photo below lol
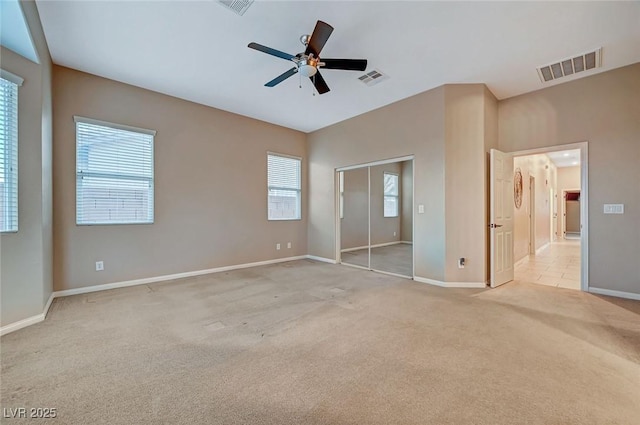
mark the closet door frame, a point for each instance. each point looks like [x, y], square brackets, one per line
[338, 222]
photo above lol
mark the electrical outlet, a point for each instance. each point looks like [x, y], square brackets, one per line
[394, 233]
[99, 266]
[461, 262]
[289, 245]
[277, 246]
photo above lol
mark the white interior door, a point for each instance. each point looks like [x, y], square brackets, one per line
[501, 217]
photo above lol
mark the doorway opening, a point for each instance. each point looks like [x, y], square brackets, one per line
[375, 216]
[549, 251]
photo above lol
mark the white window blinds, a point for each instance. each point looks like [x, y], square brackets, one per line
[391, 195]
[8, 155]
[284, 187]
[114, 173]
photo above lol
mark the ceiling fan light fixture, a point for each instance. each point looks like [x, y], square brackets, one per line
[307, 70]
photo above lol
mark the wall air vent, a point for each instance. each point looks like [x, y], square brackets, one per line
[236, 6]
[373, 77]
[573, 65]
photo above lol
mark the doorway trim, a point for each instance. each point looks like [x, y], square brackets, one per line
[338, 223]
[584, 197]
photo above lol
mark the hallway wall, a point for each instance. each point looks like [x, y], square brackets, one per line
[544, 171]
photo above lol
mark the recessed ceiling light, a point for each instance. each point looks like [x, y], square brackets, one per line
[566, 154]
[574, 163]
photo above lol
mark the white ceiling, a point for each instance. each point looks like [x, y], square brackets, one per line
[14, 33]
[570, 158]
[198, 50]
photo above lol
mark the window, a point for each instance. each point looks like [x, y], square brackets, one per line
[9, 151]
[390, 195]
[283, 182]
[114, 173]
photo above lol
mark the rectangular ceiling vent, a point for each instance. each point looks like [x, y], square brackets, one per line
[236, 6]
[373, 77]
[571, 65]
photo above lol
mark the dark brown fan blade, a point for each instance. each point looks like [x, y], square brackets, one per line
[345, 64]
[270, 51]
[320, 35]
[320, 83]
[280, 78]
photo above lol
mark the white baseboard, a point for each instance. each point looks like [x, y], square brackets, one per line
[322, 259]
[48, 305]
[613, 293]
[407, 242]
[539, 250]
[12, 327]
[135, 282]
[520, 261]
[378, 245]
[357, 248]
[450, 284]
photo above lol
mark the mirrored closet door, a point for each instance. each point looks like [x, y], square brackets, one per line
[376, 217]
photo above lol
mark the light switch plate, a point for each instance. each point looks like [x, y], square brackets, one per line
[614, 208]
[421, 209]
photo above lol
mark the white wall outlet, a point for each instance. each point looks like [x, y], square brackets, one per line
[99, 266]
[421, 209]
[394, 233]
[277, 246]
[461, 262]
[289, 245]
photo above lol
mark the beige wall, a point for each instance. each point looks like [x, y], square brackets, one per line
[568, 179]
[542, 169]
[465, 182]
[414, 126]
[573, 216]
[26, 256]
[210, 187]
[445, 129]
[604, 110]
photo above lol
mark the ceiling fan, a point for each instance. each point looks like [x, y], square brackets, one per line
[309, 62]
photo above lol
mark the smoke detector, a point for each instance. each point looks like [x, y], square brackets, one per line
[572, 65]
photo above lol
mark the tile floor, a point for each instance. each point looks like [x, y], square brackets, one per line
[557, 265]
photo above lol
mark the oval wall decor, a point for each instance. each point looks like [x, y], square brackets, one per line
[517, 188]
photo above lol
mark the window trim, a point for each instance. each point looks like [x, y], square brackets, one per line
[17, 81]
[384, 196]
[91, 121]
[282, 155]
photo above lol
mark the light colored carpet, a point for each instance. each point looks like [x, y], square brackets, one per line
[312, 343]
[396, 258]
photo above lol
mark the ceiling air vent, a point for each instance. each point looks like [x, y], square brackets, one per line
[570, 66]
[373, 77]
[236, 6]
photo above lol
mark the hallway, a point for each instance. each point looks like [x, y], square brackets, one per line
[557, 265]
